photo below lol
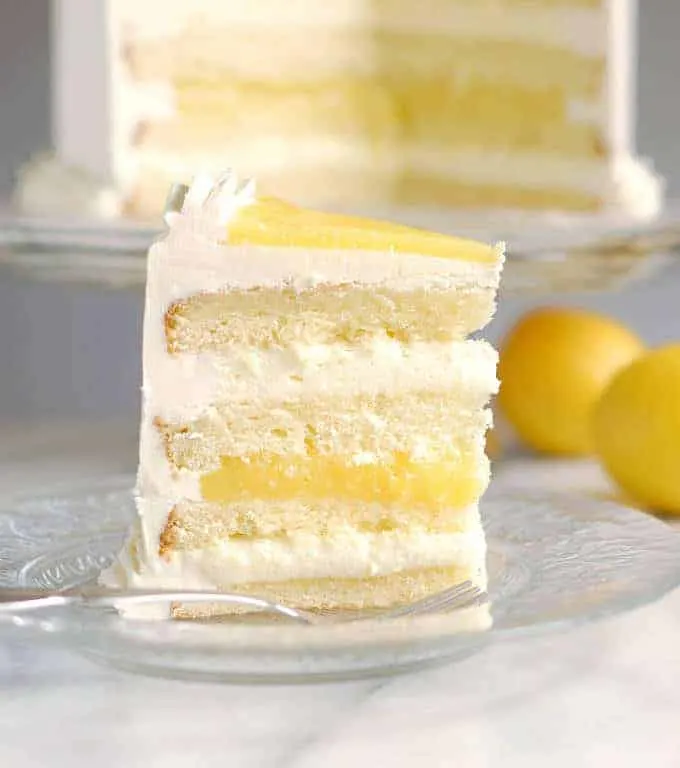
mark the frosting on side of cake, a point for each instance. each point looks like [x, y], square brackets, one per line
[185, 385]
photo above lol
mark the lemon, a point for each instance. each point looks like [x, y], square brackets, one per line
[554, 364]
[636, 429]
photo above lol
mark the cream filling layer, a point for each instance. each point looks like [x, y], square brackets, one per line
[581, 30]
[345, 553]
[624, 183]
[182, 387]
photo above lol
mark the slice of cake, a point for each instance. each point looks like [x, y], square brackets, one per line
[314, 415]
[402, 103]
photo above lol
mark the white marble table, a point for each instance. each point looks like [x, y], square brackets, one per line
[602, 695]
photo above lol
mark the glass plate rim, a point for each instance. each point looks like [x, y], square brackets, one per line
[124, 482]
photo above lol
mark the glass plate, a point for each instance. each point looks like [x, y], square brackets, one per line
[555, 559]
[547, 253]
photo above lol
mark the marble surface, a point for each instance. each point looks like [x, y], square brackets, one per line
[604, 694]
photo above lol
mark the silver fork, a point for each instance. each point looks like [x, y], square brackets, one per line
[14, 602]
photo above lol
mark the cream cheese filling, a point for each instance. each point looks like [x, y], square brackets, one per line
[182, 387]
[345, 553]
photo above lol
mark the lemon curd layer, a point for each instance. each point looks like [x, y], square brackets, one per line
[394, 118]
[273, 222]
[455, 481]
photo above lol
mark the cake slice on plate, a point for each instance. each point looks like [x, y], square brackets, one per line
[314, 414]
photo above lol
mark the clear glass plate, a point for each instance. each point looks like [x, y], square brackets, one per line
[555, 559]
[547, 253]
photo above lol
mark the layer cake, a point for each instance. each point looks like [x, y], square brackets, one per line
[402, 103]
[314, 415]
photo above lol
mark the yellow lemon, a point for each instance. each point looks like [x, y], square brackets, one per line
[553, 367]
[636, 429]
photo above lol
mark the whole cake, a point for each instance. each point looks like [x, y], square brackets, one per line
[493, 103]
[314, 415]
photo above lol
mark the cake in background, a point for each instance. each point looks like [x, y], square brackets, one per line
[357, 104]
[314, 414]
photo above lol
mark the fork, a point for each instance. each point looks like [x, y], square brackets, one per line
[17, 601]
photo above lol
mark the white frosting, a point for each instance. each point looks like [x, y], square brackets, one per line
[209, 205]
[46, 186]
[619, 98]
[180, 267]
[345, 553]
[97, 106]
[636, 187]
[182, 387]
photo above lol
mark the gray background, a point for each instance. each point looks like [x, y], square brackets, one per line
[70, 352]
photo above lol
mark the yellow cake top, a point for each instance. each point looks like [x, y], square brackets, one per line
[232, 213]
[270, 221]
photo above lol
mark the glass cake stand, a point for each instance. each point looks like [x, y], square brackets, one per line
[546, 253]
[555, 559]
